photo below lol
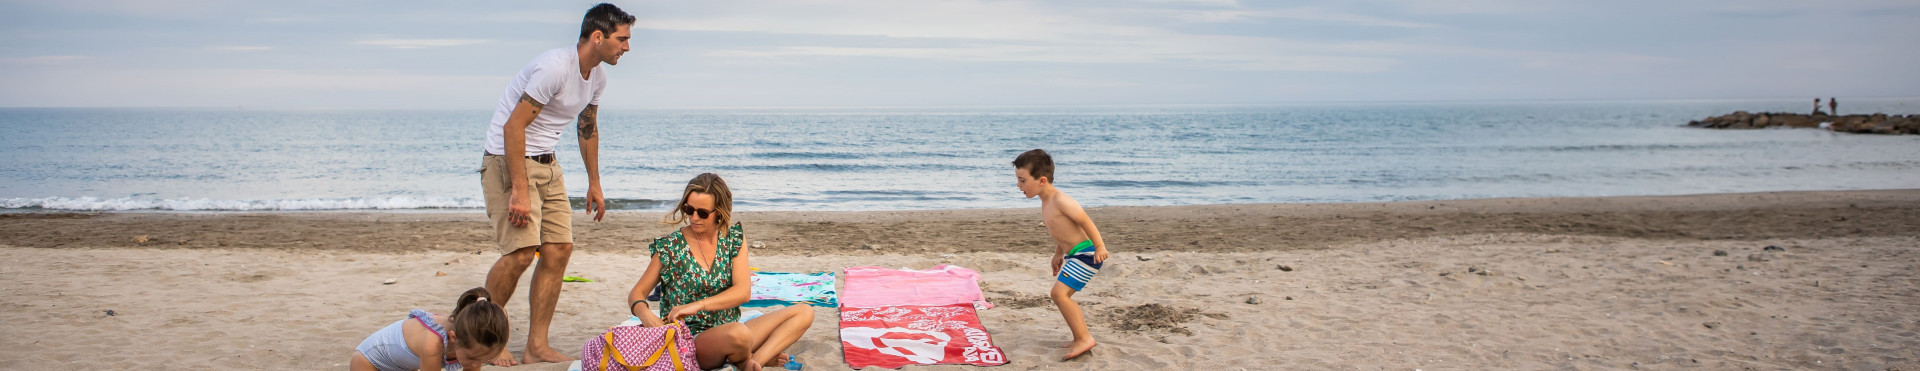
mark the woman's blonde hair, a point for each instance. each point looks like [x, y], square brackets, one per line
[709, 184]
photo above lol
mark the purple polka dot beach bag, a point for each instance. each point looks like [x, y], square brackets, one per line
[634, 348]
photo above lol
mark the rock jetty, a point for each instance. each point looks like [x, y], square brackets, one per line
[1878, 123]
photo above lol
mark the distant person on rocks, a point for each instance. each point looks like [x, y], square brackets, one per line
[1833, 106]
[1816, 106]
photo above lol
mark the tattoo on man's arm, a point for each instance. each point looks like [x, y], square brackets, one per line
[589, 122]
[537, 106]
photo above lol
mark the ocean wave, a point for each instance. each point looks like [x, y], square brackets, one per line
[204, 204]
[352, 203]
[1622, 147]
[1165, 183]
[580, 203]
[851, 168]
[807, 155]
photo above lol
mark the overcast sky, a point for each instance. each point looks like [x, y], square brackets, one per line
[764, 53]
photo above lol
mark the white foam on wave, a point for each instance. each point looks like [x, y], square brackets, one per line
[203, 204]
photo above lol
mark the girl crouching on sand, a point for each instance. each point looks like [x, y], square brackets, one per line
[473, 334]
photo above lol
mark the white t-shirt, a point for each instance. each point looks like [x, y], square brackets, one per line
[553, 79]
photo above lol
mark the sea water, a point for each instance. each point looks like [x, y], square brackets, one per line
[854, 159]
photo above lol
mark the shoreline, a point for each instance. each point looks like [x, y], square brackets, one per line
[1241, 227]
[578, 205]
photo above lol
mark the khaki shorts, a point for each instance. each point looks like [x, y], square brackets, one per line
[552, 214]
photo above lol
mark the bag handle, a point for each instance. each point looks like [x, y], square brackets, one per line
[612, 355]
[671, 350]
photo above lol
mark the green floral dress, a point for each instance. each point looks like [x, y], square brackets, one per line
[683, 281]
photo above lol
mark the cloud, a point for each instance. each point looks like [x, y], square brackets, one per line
[1017, 32]
[421, 43]
[240, 48]
[52, 87]
[922, 51]
[1229, 3]
[172, 9]
[1299, 14]
[1323, 15]
[43, 60]
[282, 20]
[1083, 54]
[1456, 7]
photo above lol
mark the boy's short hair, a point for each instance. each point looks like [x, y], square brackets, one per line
[1038, 164]
[605, 18]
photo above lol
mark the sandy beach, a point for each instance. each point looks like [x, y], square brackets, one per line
[1781, 280]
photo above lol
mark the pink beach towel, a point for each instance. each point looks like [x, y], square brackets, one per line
[869, 287]
[897, 336]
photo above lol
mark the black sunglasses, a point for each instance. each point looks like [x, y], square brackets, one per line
[690, 210]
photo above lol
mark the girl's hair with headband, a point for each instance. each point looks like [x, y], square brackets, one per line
[478, 321]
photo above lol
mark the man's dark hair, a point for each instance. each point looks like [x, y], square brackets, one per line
[605, 18]
[1038, 164]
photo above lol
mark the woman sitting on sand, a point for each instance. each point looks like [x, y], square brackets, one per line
[704, 277]
[469, 337]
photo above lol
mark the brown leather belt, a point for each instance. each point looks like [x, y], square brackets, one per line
[546, 159]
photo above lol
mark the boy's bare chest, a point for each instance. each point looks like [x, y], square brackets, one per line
[1060, 227]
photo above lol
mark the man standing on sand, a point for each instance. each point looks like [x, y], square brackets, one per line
[526, 198]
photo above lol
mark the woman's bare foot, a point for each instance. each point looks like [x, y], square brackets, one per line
[505, 359]
[545, 355]
[779, 360]
[1078, 347]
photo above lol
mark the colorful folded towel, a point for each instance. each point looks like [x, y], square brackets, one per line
[778, 288]
[897, 336]
[942, 285]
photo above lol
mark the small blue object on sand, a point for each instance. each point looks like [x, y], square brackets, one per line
[793, 363]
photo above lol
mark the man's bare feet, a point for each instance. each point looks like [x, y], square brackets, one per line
[505, 359]
[1078, 347]
[544, 355]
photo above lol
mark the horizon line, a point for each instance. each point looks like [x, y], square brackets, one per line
[1238, 104]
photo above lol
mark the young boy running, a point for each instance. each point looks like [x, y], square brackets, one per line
[1079, 250]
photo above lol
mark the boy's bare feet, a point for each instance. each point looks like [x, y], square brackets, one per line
[505, 359]
[545, 355]
[1078, 348]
